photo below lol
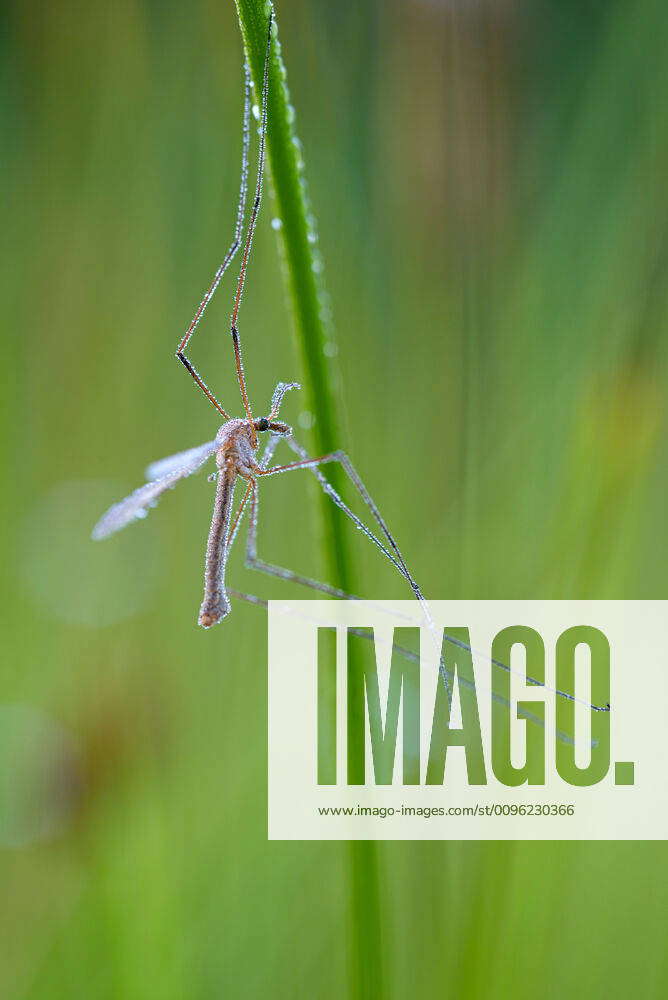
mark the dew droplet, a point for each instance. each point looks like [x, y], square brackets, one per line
[306, 420]
[256, 112]
[276, 223]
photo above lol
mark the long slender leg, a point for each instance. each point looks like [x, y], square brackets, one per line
[236, 243]
[340, 456]
[237, 517]
[306, 462]
[408, 654]
[250, 233]
[253, 562]
[394, 557]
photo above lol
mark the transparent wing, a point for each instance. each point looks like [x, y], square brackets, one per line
[189, 461]
[138, 504]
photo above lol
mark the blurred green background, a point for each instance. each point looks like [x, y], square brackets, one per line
[489, 181]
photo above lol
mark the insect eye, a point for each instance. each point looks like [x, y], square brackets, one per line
[263, 424]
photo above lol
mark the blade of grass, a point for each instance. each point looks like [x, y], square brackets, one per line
[313, 333]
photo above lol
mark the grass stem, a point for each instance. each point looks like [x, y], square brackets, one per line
[314, 339]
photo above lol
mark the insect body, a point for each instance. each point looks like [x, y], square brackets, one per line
[234, 448]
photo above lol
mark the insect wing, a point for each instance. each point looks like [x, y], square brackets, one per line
[189, 461]
[135, 506]
[138, 504]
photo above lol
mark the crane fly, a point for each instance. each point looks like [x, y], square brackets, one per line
[236, 444]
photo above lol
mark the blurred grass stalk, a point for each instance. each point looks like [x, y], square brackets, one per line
[303, 270]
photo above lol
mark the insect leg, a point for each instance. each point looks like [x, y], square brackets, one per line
[314, 464]
[254, 562]
[390, 549]
[286, 574]
[232, 534]
[236, 243]
[241, 379]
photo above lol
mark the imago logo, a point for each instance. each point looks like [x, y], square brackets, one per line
[479, 719]
[456, 687]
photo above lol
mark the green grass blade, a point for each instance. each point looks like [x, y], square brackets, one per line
[307, 293]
